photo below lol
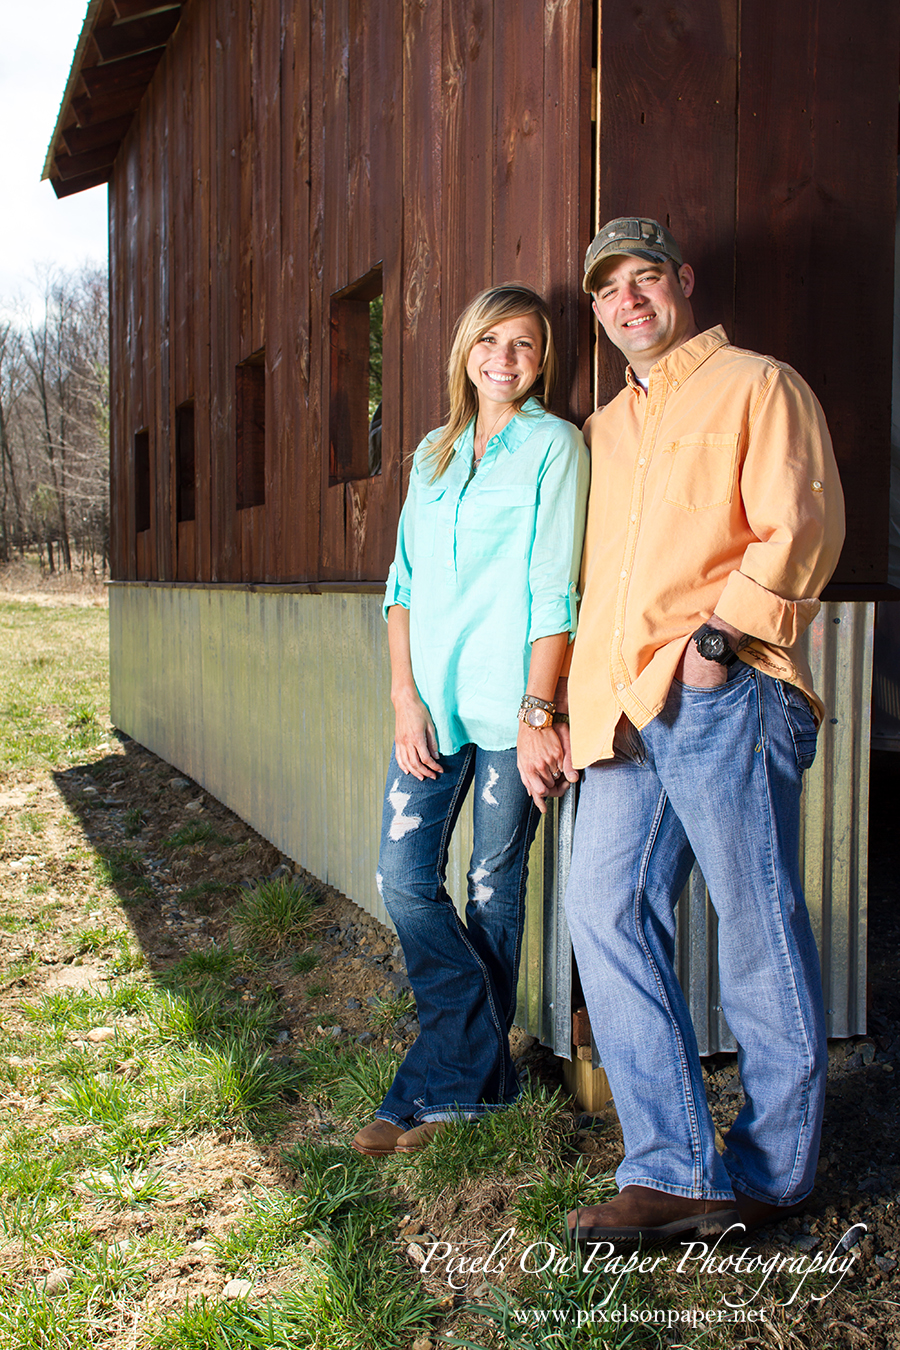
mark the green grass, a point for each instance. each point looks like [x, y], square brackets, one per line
[197, 832]
[388, 1011]
[517, 1141]
[32, 821]
[128, 1135]
[202, 890]
[127, 1187]
[332, 1184]
[53, 683]
[135, 819]
[120, 867]
[275, 916]
[83, 1009]
[208, 1013]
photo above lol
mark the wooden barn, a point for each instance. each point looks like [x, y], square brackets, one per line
[302, 196]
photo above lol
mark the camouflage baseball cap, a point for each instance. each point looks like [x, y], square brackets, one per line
[630, 234]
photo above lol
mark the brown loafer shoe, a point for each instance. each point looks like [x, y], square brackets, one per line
[641, 1214]
[414, 1140]
[759, 1213]
[378, 1139]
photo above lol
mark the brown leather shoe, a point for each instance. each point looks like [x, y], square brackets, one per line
[414, 1140]
[641, 1214]
[760, 1213]
[378, 1139]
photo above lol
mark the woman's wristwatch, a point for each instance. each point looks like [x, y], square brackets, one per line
[536, 713]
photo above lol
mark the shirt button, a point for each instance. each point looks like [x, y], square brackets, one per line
[621, 685]
[674, 384]
[616, 633]
[817, 486]
[642, 460]
[633, 519]
[623, 575]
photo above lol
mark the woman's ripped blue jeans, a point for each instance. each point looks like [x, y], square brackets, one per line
[464, 976]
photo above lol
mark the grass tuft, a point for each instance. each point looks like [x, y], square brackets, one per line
[352, 1079]
[125, 1186]
[197, 832]
[500, 1144]
[387, 1012]
[275, 916]
[241, 1085]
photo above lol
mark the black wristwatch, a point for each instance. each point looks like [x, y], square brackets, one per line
[713, 645]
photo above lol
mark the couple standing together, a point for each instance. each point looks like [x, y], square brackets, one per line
[713, 521]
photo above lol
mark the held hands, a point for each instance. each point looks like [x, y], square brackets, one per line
[545, 765]
[415, 740]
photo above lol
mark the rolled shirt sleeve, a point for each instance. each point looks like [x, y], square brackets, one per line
[558, 535]
[794, 505]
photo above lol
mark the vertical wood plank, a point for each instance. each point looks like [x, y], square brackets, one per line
[150, 326]
[565, 225]
[317, 429]
[204, 233]
[267, 268]
[468, 200]
[668, 98]
[423, 210]
[336, 261]
[182, 89]
[298, 454]
[519, 146]
[164, 525]
[817, 183]
[118, 377]
[385, 114]
[132, 336]
[228, 44]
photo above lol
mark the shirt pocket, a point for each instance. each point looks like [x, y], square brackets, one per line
[428, 514]
[498, 521]
[702, 471]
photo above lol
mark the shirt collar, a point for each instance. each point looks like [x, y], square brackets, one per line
[679, 365]
[514, 434]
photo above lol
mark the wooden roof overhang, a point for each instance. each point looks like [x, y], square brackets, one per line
[121, 44]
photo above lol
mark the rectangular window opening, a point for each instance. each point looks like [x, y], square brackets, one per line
[250, 424]
[356, 357]
[142, 480]
[185, 489]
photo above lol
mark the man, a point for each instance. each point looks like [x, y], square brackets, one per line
[715, 519]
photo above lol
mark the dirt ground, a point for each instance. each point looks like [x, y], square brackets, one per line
[360, 963]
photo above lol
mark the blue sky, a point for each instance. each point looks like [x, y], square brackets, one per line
[36, 228]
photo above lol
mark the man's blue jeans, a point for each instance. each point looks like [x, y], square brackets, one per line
[463, 976]
[720, 781]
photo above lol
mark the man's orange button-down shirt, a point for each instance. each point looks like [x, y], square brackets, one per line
[716, 491]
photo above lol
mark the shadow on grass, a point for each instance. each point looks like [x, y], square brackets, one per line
[217, 997]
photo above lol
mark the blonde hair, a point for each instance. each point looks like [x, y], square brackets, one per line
[509, 301]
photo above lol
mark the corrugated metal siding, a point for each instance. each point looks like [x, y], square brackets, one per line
[277, 702]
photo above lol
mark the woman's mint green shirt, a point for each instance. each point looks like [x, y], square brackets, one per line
[485, 564]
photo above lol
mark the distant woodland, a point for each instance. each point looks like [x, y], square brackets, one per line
[54, 423]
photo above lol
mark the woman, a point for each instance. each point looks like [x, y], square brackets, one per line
[480, 607]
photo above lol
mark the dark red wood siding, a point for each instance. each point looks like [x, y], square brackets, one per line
[764, 134]
[285, 149]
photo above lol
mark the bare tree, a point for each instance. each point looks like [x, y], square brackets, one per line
[56, 447]
[12, 516]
